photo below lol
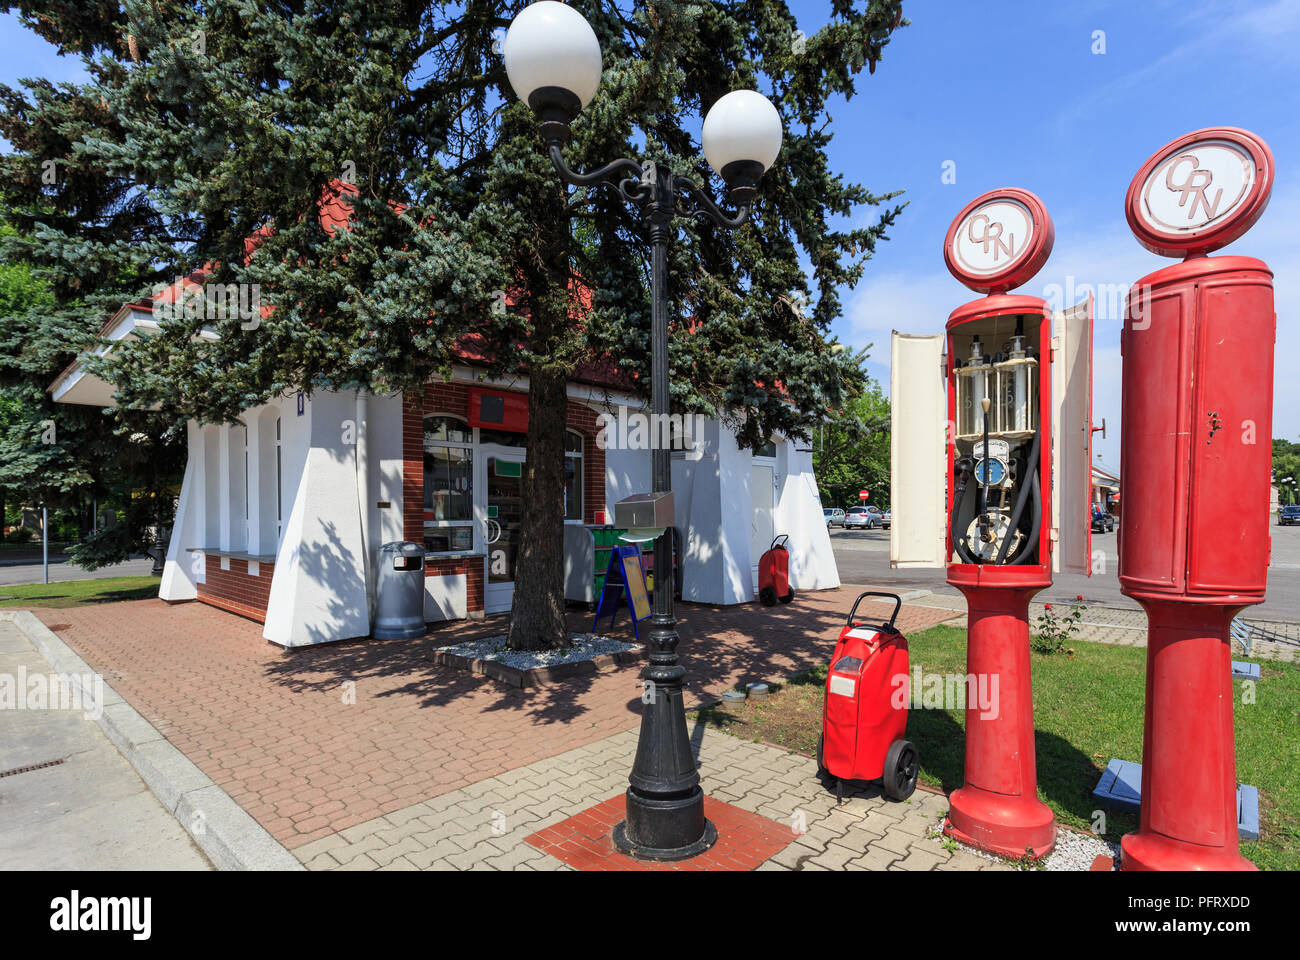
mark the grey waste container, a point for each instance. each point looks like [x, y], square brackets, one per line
[399, 592]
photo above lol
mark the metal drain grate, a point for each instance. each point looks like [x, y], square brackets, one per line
[34, 766]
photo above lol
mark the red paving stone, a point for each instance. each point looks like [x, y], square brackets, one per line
[276, 731]
[585, 841]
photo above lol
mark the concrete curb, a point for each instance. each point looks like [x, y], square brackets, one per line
[223, 830]
[907, 596]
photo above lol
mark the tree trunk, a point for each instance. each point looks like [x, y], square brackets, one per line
[537, 612]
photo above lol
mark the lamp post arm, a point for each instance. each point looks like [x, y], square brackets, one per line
[623, 173]
[707, 209]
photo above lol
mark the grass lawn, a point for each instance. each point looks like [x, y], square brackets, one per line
[1086, 711]
[78, 593]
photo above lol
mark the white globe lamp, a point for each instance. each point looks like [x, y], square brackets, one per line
[741, 138]
[553, 60]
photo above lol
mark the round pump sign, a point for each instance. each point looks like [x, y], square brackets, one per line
[999, 240]
[1200, 192]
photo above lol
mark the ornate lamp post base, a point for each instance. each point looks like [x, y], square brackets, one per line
[665, 827]
[665, 805]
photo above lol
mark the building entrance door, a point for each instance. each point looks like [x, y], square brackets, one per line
[501, 479]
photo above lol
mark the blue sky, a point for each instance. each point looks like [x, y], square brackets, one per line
[1012, 93]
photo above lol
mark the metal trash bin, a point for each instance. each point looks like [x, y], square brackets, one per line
[399, 592]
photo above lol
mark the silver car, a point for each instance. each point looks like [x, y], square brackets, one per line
[861, 518]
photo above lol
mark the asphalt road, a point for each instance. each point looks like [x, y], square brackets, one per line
[863, 558]
[15, 574]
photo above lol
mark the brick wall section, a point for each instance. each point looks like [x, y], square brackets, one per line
[236, 590]
[412, 468]
[453, 398]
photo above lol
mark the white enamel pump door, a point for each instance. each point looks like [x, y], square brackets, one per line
[1072, 438]
[918, 451]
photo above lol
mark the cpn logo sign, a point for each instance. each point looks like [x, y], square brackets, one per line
[1191, 189]
[1200, 192]
[993, 237]
[999, 240]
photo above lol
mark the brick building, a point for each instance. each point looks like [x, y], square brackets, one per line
[282, 514]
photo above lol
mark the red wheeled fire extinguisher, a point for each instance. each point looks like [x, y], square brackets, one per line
[774, 574]
[865, 713]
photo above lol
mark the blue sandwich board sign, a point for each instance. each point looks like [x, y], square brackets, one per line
[625, 579]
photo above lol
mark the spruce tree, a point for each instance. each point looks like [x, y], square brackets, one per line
[235, 118]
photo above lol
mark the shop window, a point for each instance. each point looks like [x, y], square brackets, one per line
[448, 485]
[572, 476]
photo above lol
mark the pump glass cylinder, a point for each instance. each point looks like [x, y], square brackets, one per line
[972, 387]
[1016, 393]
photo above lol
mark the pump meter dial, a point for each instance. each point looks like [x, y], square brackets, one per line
[991, 472]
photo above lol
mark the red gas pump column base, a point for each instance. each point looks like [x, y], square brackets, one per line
[998, 808]
[1189, 761]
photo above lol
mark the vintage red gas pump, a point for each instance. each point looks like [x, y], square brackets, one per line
[1196, 443]
[1012, 479]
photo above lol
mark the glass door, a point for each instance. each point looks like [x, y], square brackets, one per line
[502, 481]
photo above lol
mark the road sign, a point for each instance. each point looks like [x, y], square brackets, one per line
[863, 494]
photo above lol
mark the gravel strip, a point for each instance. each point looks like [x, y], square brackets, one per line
[582, 646]
[1073, 851]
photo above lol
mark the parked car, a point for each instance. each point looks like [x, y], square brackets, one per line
[884, 518]
[862, 518]
[833, 515]
[1288, 515]
[1102, 522]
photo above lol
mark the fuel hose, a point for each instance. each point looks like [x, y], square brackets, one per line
[1021, 499]
[959, 496]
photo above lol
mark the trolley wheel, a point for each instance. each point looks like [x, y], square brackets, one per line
[901, 766]
[767, 597]
[821, 743]
[788, 597]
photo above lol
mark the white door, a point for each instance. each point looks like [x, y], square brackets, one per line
[1072, 438]
[500, 485]
[763, 491]
[918, 463]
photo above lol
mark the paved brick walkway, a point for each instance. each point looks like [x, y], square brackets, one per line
[486, 826]
[319, 741]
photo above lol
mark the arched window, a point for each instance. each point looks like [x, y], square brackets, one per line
[573, 476]
[448, 484]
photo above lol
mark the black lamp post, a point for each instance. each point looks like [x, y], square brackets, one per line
[553, 61]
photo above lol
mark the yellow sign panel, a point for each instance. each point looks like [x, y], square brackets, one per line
[636, 591]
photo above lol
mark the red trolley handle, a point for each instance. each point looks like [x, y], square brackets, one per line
[898, 605]
[784, 536]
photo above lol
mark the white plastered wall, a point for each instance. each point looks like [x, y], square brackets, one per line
[318, 593]
[799, 514]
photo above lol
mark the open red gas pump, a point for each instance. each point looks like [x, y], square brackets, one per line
[1196, 442]
[991, 472]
